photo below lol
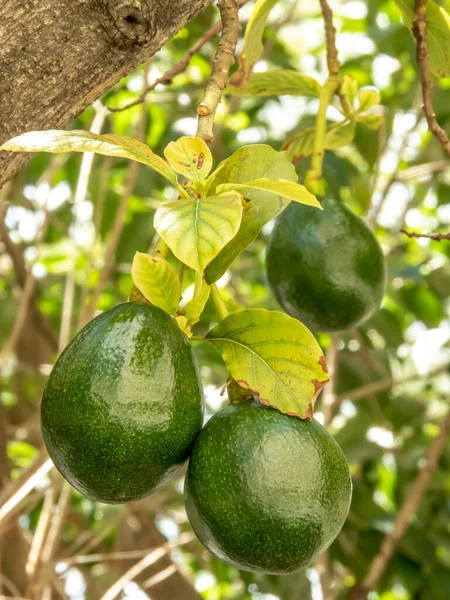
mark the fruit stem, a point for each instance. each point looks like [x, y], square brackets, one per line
[313, 179]
[219, 303]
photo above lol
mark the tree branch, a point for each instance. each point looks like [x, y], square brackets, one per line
[420, 33]
[222, 63]
[117, 226]
[431, 236]
[330, 36]
[57, 57]
[167, 77]
[407, 511]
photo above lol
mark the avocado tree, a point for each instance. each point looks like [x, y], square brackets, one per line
[261, 239]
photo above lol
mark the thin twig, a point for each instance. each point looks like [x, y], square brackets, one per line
[430, 236]
[80, 197]
[20, 271]
[223, 61]
[408, 509]
[420, 33]
[167, 77]
[118, 224]
[329, 398]
[385, 384]
[27, 294]
[39, 538]
[148, 560]
[19, 489]
[330, 36]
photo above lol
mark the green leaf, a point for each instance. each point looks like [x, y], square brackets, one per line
[250, 162]
[301, 144]
[196, 230]
[275, 356]
[278, 83]
[373, 121]
[339, 135]
[438, 34]
[348, 91]
[282, 187]
[253, 47]
[190, 156]
[122, 146]
[368, 98]
[157, 281]
[194, 307]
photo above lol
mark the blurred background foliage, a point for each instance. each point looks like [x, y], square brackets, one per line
[74, 224]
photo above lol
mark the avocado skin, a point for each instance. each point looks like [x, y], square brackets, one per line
[123, 404]
[326, 268]
[266, 492]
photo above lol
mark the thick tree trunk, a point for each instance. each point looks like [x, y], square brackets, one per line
[58, 56]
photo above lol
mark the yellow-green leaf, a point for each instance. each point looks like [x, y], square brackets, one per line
[373, 121]
[250, 162]
[302, 143]
[190, 156]
[290, 190]
[194, 307]
[278, 83]
[157, 281]
[368, 98]
[253, 46]
[348, 91]
[339, 135]
[438, 34]
[273, 355]
[123, 146]
[196, 230]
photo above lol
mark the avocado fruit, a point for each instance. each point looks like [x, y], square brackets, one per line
[123, 404]
[266, 492]
[325, 267]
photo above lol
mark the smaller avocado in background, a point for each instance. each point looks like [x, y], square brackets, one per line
[325, 267]
[123, 404]
[266, 492]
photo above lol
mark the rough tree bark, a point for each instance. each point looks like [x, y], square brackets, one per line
[57, 57]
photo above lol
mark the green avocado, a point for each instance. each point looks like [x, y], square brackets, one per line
[325, 267]
[266, 492]
[123, 404]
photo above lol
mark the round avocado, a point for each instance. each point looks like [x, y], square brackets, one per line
[266, 492]
[325, 267]
[123, 404]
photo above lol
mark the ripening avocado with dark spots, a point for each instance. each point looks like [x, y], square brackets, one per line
[325, 267]
[266, 492]
[123, 404]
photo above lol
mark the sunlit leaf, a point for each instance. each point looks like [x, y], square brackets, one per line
[189, 156]
[349, 90]
[253, 46]
[368, 98]
[290, 190]
[247, 163]
[275, 356]
[123, 146]
[157, 281]
[373, 121]
[438, 34]
[301, 144]
[278, 83]
[196, 230]
[339, 135]
[194, 307]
